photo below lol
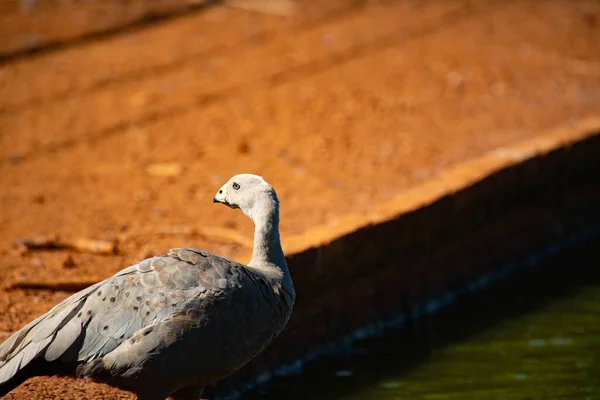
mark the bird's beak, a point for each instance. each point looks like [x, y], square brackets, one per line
[221, 196]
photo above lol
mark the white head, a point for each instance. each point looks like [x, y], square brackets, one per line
[250, 193]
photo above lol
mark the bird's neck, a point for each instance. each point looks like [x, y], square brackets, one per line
[267, 255]
[267, 245]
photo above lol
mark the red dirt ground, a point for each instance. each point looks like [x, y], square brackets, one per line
[340, 106]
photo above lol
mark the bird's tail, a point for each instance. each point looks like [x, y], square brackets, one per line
[33, 342]
[16, 353]
[21, 376]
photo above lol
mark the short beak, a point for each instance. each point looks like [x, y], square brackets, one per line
[221, 196]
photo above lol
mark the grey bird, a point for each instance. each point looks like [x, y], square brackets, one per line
[171, 324]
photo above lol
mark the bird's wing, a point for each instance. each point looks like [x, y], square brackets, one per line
[94, 321]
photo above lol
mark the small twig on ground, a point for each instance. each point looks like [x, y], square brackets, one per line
[273, 7]
[52, 286]
[81, 245]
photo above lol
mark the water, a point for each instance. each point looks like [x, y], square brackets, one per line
[535, 335]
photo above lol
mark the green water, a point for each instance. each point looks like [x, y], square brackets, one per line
[535, 335]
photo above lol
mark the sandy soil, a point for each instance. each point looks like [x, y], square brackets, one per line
[27, 26]
[340, 106]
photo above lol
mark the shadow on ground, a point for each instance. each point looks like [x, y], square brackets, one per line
[397, 353]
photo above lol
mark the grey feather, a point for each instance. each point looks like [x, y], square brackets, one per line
[11, 367]
[32, 350]
[52, 323]
[63, 340]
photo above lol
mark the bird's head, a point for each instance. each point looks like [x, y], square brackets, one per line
[247, 192]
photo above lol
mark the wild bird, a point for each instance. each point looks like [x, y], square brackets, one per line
[170, 324]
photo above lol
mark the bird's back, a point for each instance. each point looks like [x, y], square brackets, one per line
[160, 324]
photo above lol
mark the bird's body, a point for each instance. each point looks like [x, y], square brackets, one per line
[167, 325]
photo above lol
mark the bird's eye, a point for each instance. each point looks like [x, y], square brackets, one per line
[236, 185]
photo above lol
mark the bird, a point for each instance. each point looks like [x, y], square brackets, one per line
[170, 324]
